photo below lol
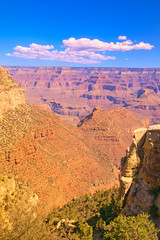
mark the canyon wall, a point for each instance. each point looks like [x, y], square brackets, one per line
[73, 92]
[50, 156]
[109, 132]
[59, 161]
[141, 174]
[54, 160]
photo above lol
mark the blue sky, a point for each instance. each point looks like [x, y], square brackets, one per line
[80, 33]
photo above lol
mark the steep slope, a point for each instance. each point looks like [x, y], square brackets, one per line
[108, 133]
[18, 206]
[54, 160]
[45, 162]
[141, 174]
[10, 93]
[49, 155]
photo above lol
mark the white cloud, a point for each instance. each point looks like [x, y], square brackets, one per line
[69, 55]
[97, 45]
[122, 37]
[83, 50]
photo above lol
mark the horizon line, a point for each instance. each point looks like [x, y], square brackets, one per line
[79, 67]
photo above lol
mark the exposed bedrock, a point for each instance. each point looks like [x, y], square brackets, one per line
[83, 88]
[141, 173]
[11, 95]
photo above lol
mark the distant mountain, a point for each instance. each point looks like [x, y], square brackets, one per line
[73, 92]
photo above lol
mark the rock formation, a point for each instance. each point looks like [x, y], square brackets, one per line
[57, 161]
[141, 173]
[109, 132]
[51, 156]
[73, 92]
[11, 95]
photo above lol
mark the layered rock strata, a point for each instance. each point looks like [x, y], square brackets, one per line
[73, 92]
[52, 157]
[11, 95]
[109, 132]
[141, 174]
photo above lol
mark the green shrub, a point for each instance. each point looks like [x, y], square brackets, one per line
[131, 228]
[84, 231]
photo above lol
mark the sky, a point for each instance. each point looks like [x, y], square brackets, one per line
[76, 33]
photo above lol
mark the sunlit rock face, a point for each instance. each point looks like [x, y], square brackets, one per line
[49, 155]
[143, 183]
[11, 95]
[152, 156]
[130, 164]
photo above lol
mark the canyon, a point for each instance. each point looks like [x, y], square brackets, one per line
[74, 92]
[59, 161]
[46, 162]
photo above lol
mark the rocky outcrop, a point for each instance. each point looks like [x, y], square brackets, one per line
[11, 95]
[141, 173]
[131, 163]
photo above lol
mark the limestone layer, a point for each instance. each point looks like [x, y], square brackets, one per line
[141, 173]
[73, 92]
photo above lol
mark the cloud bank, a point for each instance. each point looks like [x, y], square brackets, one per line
[97, 45]
[83, 50]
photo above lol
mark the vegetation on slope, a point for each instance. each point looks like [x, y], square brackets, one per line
[93, 217]
[131, 227]
[18, 206]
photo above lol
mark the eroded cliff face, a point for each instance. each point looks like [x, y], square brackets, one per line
[50, 156]
[73, 92]
[53, 158]
[18, 203]
[11, 95]
[109, 132]
[141, 174]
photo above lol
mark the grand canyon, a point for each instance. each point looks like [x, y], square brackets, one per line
[74, 92]
[47, 162]
[80, 120]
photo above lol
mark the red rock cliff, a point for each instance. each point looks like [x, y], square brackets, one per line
[11, 95]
